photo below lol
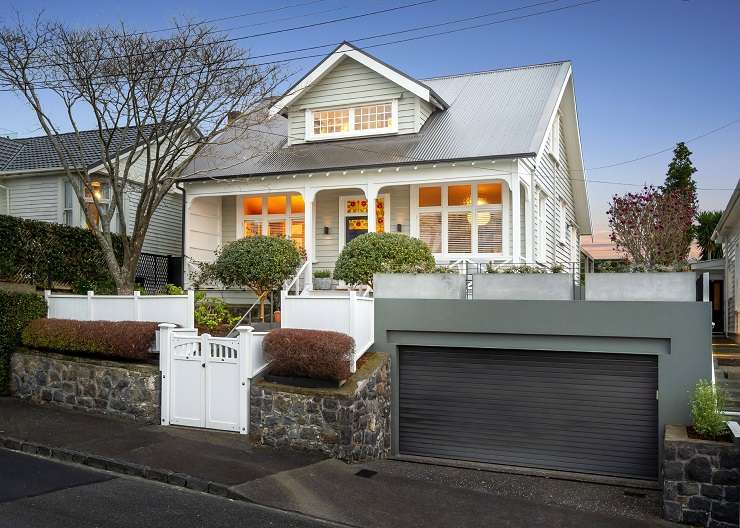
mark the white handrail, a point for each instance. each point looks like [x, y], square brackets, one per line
[295, 280]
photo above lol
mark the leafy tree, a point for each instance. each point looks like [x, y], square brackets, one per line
[680, 171]
[373, 253]
[168, 96]
[651, 226]
[260, 263]
[708, 221]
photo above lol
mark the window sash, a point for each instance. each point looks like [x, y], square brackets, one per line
[273, 224]
[356, 115]
[456, 238]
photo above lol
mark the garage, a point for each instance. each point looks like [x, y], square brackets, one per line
[582, 412]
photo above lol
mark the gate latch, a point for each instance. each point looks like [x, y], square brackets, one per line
[203, 365]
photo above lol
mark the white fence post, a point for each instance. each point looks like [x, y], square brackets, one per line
[137, 306]
[245, 373]
[47, 298]
[352, 321]
[165, 358]
[190, 316]
[705, 286]
[90, 311]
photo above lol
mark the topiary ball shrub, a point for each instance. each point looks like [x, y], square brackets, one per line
[316, 354]
[373, 253]
[128, 340]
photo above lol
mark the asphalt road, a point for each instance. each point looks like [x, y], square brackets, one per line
[36, 493]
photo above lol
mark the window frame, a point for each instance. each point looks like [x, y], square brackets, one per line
[264, 218]
[554, 148]
[562, 222]
[312, 136]
[542, 206]
[444, 208]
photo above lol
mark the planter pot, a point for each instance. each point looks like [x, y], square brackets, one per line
[676, 287]
[322, 283]
[523, 286]
[419, 286]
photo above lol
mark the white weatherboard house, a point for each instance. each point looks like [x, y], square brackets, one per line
[482, 167]
[32, 186]
[727, 233]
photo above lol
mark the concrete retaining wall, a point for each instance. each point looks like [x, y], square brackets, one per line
[419, 286]
[523, 286]
[641, 287]
[127, 390]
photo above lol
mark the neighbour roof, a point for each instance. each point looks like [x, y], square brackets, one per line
[491, 114]
[37, 153]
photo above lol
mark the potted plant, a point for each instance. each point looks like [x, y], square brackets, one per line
[322, 279]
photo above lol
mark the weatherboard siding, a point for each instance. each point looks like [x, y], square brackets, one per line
[35, 197]
[351, 83]
[164, 235]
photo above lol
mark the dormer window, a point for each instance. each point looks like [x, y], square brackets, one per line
[376, 118]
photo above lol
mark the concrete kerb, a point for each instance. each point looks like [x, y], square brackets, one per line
[122, 467]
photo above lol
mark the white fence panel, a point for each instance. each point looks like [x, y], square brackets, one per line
[222, 372]
[186, 380]
[348, 314]
[175, 309]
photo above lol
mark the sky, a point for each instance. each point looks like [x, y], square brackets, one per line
[647, 73]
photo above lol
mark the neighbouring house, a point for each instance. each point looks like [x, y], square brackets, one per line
[483, 167]
[33, 186]
[727, 233]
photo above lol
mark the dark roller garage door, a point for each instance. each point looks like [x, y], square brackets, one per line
[581, 412]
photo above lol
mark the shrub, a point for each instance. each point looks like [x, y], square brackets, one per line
[261, 263]
[317, 354]
[212, 313]
[42, 252]
[129, 340]
[517, 269]
[322, 274]
[706, 405]
[173, 289]
[373, 253]
[16, 310]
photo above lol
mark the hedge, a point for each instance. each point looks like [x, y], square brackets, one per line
[317, 354]
[129, 340]
[43, 252]
[16, 310]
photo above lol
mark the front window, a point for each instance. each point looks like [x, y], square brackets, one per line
[95, 191]
[277, 215]
[380, 118]
[69, 204]
[461, 218]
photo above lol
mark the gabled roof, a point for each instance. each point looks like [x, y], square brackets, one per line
[38, 153]
[730, 217]
[342, 52]
[492, 114]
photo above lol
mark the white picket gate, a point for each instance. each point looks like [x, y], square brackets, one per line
[205, 379]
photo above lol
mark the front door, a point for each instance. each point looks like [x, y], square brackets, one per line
[355, 226]
[716, 299]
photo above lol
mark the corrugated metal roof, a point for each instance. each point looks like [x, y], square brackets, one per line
[27, 154]
[497, 113]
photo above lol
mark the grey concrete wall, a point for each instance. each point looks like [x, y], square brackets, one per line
[678, 333]
[419, 286]
[523, 286]
[641, 287]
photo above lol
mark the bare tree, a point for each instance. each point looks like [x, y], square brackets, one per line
[156, 103]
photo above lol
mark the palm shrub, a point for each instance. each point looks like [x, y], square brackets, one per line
[260, 263]
[706, 405]
[708, 221]
[373, 253]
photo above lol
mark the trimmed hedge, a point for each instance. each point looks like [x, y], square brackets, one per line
[317, 354]
[373, 253]
[130, 340]
[42, 252]
[16, 310]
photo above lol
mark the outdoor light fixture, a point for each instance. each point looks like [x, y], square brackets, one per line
[326, 230]
[398, 228]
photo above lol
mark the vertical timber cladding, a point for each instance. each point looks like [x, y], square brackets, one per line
[568, 411]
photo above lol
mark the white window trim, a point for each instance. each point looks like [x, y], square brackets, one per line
[562, 222]
[265, 218]
[554, 149]
[542, 205]
[445, 209]
[574, 249]
[343, 214]
[311, 136]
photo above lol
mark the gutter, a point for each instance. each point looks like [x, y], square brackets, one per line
[366, 167]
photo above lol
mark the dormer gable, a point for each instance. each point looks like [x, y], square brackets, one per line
[351, 94]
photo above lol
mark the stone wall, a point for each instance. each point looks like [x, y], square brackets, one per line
[351, 423]
[129, 390]
[700, 480]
